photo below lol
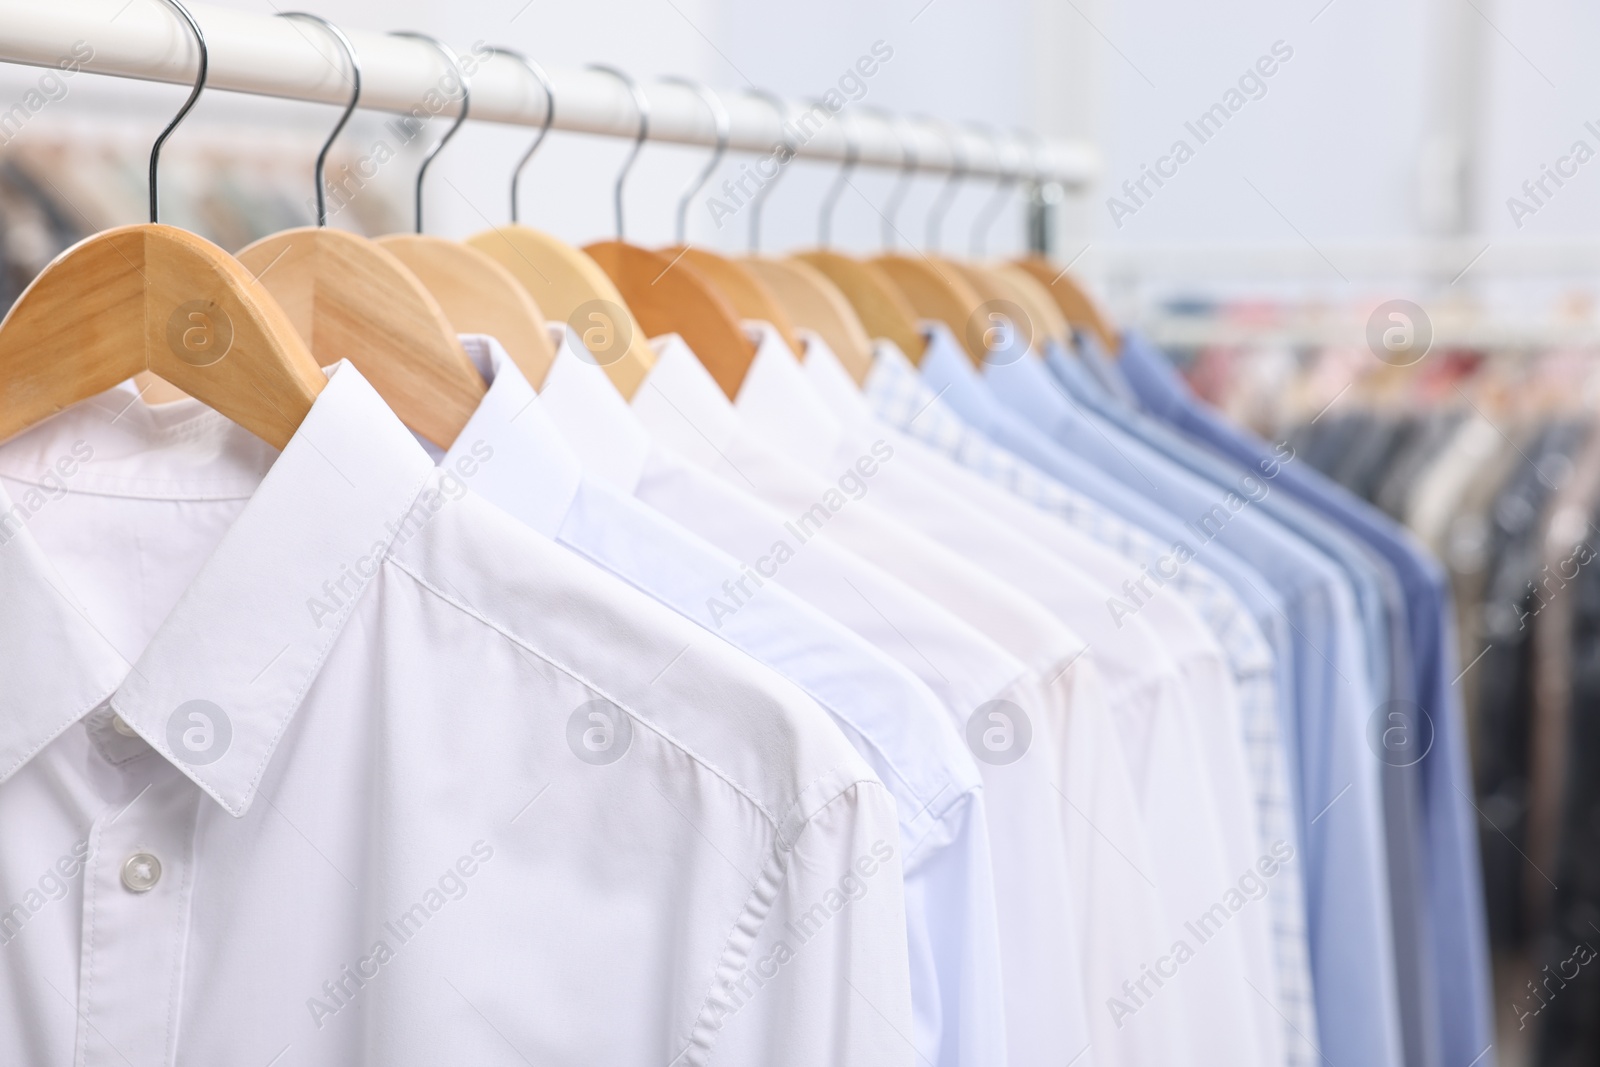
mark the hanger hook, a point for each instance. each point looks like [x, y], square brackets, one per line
[194, 94]
[1002, 193]
[549, 115]
[642, 103]
[909, 164]
[349, 109]
[788, 146]
[454, 61]
[719, 117]
[830, 200]
[952, 184]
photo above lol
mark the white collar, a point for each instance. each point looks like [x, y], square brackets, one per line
[683, 407]
[242, 636]
[593, 418]
[832, 383]
[776, 401]
[510, 450]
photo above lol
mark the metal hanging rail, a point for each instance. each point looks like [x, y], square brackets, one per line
[267, 56]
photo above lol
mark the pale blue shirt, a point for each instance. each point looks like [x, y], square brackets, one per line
[890, 716]
[1352, 942]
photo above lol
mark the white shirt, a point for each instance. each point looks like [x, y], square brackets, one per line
[1040, 958]
[1208, 720]
[894, 721]
[394, 780]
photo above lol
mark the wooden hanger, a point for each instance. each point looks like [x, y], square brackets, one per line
[992, 286]
[1036, 299]
[879, 305]
[1074, 301]
[815, 303]
[937, 293]
[745, 289]
[478, 295]
[567, 285]
[352, 299]
[668, 295]
[674, 297]
[157, 298]
[882, 308]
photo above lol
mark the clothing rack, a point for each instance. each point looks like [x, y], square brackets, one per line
[270, 56]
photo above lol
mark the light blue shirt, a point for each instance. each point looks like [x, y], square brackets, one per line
[1452, 870]
[1388, 653]
[891, 717]
[1352, 947]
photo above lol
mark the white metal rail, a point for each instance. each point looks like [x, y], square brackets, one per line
[269, 56]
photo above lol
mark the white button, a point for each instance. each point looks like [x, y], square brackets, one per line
[120, 725]
[141, 872]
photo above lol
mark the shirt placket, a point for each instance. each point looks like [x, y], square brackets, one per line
[137, 889]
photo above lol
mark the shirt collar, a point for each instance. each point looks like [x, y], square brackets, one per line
[250, 633]
[593, 419]
[683, 407]
[510, 451]
[833, 384]
[777, 400]
[947, 370]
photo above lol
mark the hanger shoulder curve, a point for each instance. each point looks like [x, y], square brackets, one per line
[1074, 301]
[668, 296]
[562, 280]
[478, 295]
[352, 299]
[936, 293]
[815, 303]
[1041, 319]
[153, 297]
[882, 308]
[1035, 299]
[750, 296]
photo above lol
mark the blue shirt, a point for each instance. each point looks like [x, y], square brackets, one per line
[1340, 809]
[1453, 875]
[1389, 652]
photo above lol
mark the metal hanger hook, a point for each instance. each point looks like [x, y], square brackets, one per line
[194, 94]
[952, 184]
[454, 61]
[909, 165]
[549, 116]
[719, 118]
[991, 210]
[830, 199]
[355, 97]
[765, 190]
[642, 103]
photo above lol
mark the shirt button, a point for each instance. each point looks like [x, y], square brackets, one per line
[120, 725]
[141, 872]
